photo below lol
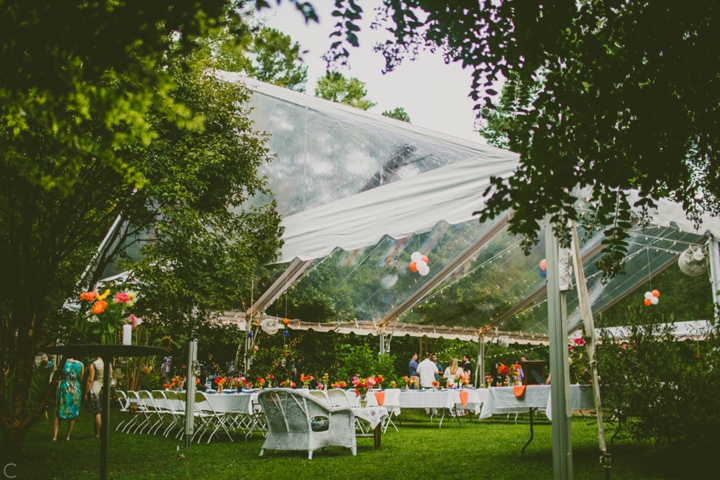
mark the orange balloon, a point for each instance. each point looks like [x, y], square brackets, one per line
[424, 259]
[656, 293]
[543, 264]
[647, 302]
[413, 266]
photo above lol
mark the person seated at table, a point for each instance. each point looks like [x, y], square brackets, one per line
[466, 365]
[427, 370]
[452, 372]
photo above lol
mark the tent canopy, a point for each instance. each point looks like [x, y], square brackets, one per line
[360, 192]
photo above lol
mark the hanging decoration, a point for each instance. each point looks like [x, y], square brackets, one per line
[419, 263]
[543, 268]
[652, 298]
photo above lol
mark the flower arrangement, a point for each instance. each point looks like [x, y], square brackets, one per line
[436, 385]
[489, 380]
[408, 382]
[507, 372]
[306, 380]
[108, 316]
[325, 379]
[239, 382]
[174, 383]
[220, 383]
[339, 384]
[287, 384]
[360, 385]
[270, 378]
[260, 382]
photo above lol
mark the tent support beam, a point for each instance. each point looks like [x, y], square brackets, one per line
[294, 270]
[714, 262]
[535, 294]
[639, 283]
[457, 262]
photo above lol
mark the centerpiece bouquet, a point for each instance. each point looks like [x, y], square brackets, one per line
[339, 384]
[362, 385]
[325, 380]
[306, 380]
[174, 383]
[260, 382]
[220, 383]
[508, 372]
[408, 382]
[106, 312]
[270, 379]
[287, 384]
[489, 380]
[436, 385]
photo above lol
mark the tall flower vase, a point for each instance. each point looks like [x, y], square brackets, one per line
[363, 399]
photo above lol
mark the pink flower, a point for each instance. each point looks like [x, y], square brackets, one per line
[256, 348]
[122, 297]
[579, 342]
[371, 381]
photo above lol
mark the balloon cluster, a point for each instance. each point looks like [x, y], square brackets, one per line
[419, 263]
[543, 268]
[651, 298]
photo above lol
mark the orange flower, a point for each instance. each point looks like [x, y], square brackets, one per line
[88, 296]
[99, 307]
[286, 321]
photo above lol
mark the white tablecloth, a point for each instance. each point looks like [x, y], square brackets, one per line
[373, 415]
[500, 400]
[440, 398]
[233, 402]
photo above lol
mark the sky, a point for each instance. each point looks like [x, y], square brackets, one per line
[434, 95]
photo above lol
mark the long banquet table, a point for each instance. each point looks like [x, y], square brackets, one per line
[443, 400]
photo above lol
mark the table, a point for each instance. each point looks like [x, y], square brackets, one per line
[374, 416]
[242, 403]
[446, 399]
[107, 353]
[501, 400]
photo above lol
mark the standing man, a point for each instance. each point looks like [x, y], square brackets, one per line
[438, 368]
[413, 366]
[427, 370]
[467, 367]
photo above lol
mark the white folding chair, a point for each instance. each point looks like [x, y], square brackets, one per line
[215, 420]
[337, 398]
[124, 402]
[175, 412]
[392, 404]
[150, 412]
[321, 396]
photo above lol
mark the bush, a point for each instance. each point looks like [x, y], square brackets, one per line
[658, 388]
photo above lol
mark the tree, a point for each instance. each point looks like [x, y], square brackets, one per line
[197, 256]
[398, 113]
[335, 87]
[627, 99]
[62, 62]
[268, 55]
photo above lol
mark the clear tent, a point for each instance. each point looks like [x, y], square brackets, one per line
[332, 164]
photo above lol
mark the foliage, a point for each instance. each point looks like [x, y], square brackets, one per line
[398, 113]
[335, 87]
[579, 362]
[197, 254]
[622, 96]
[658, 388]
[62, 62]
[266, 54]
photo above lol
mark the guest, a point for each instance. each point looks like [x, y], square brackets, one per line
[438, 368]
[69, 395]
[94, 389]
[466, 366]
[413, 365]
[427, 370]
[521, 374]
[297, 371]
[453, 371]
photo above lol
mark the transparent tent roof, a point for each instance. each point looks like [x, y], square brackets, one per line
[330, 157]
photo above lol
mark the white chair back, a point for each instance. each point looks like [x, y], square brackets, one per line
[321, 396]
[337, 398]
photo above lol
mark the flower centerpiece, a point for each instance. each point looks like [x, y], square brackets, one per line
[361, 387]
[408, 382]
[489, 380]
[339, 384]
[464, 380]
[240, 382]
[306, 380]
[106, 312]
[220, 383]
[260, 383]
[174, 383]
[436, 385]
[287, 384]
[325, 380]
[270, 379]
[508, 372]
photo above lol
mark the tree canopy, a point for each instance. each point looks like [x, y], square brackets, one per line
[334, 86]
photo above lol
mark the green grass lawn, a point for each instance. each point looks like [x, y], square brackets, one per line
[477, 450]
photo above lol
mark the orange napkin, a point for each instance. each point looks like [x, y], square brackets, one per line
[519, 391]
[464, 398]
[380, 397]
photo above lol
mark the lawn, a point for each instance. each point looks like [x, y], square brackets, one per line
[477, 450]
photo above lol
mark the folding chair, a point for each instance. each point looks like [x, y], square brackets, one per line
[215, 420]
[153, 417]
[321, 396]
[124, 402]
[392, 404]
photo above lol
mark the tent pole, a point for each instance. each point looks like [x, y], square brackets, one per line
[480, 370]
[714, 253]
[559, 366]
[590, 342]
[190, 394]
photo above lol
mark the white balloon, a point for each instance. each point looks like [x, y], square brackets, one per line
[654, 300]
[426, 270]
[421, 265]
[649, 295]
[416, 257]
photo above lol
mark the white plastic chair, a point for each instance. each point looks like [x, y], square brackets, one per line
[337, 398]
[392, 404]
[321, 396]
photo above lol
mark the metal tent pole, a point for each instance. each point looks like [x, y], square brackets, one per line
[190, 394]
[559, 366]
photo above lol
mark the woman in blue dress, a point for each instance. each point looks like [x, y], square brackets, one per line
[69, 395]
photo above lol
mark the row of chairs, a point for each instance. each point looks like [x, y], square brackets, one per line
[164, 412]
[337, 397]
